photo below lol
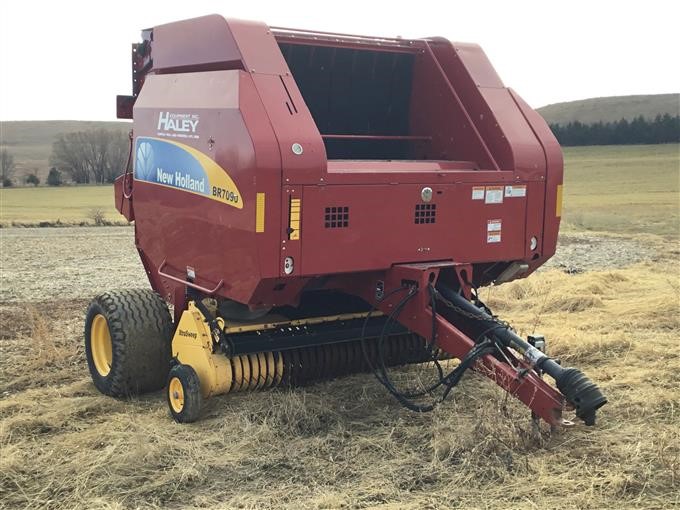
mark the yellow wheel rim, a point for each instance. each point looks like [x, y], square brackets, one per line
[100, 345]
[176, 394]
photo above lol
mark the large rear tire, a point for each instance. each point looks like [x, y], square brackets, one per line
[128, 337]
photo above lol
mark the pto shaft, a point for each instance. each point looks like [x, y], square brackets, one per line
[582, 393]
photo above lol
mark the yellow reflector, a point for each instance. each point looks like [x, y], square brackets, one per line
[259, 213]
[558, 202]
[294, 219]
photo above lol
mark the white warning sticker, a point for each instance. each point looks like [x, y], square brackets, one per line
[494, 195]
[478, 193]
[493, 230]
[516, 191]
[493, 225]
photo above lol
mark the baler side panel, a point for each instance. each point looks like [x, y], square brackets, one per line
[266, 178]
[553, 180]
[435, 113]
[493, 109]
[388, 225]
[258, 47]
[177, 228]
[293, 124]
[288, 114]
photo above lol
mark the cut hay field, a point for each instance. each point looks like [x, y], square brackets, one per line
[68, 205]
[624, 189]
[608, 303]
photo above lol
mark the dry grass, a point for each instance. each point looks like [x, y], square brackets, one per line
[346, 444]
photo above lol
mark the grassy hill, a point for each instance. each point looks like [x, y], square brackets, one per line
[610, 109]
[622, 189]
[30, 142]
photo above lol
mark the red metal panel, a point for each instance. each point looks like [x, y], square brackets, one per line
[477, 65]
[554, 176]
[258, 47]
[535, 201]
[528, 160]
[204, 41]
[434, 114]
[183, 228]
[409, 172]
[382, 229]
[492, 108]
[293, 124]
[266, 177]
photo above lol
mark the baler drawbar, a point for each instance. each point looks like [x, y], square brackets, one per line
[315, 204]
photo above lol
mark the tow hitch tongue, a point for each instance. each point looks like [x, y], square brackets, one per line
[579, 391]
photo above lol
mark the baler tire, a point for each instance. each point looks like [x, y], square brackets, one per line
[139, 329]
[183, 393]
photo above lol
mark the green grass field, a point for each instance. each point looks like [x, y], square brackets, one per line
[624, 189]
[68, 205]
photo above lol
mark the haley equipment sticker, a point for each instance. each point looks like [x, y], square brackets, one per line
[178, 125]
[176, 165]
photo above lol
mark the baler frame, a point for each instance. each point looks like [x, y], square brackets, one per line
[283, 159]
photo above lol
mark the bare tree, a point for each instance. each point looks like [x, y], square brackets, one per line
[116, 157]
[90, 156]
[68, 155]
[6, 165]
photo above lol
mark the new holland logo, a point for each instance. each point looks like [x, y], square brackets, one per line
[180, 166]
[145, 162]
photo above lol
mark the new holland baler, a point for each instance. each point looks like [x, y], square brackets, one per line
[312, 204]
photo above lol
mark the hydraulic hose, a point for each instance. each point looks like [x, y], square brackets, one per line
[582, 393]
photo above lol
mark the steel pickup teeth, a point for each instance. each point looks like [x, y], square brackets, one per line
[305, 365]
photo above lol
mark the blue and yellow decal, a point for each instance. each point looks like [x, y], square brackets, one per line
[176, 165]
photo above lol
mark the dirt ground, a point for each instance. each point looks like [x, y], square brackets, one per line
[607, 304]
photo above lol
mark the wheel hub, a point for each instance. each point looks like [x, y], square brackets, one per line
[101, 345]
[176, 393]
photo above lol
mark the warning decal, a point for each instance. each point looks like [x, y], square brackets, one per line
[516, 191]
[478, 193]
[493, 231]
[494, 195]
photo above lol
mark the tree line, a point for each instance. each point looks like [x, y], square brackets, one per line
[84, 157]
[96, 156]
[662, 129]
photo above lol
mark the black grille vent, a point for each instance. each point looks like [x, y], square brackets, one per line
[337, 217]
[425, 213]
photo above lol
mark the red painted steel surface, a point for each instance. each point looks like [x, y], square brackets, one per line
[468, 136]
